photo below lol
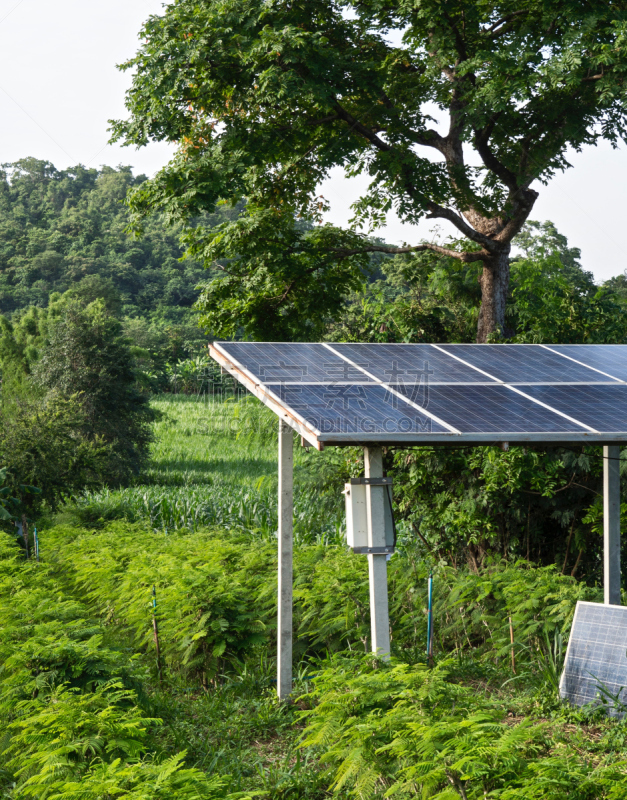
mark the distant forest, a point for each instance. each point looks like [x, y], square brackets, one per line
[66, 230]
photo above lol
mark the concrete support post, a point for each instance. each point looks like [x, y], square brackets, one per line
[611, 525]
[286, 524]
[377, 564]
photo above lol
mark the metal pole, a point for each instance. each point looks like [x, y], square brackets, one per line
[286, 523]
[611, 525]
[377, 564]
[430, 622]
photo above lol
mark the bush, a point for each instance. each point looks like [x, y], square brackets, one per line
[72, 726]
[87, 357]
[42, 445]
[399, 731]
[212, 601]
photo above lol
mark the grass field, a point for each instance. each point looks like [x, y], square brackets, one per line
[95, 705]
[215, 463]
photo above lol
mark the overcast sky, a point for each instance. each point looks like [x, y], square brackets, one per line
[59, 86]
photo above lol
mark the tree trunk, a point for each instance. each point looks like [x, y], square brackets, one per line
[494, 285]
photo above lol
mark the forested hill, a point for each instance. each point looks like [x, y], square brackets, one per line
[66, 229]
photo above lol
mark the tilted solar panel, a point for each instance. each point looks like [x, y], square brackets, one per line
[608, 359]
[494, 409]
[595, 668]
[523, 363]
[603, 408]
[357, 409]
[294, 363]
[338, 393]
[408, 363]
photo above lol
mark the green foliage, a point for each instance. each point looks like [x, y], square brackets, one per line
[419, 298]
[208, 589]
[46, 456]
[429, 298]
[532, 502]
[554, 304]
[99, 432]
[87, 357]
[66, 229]
[71, 718]
[293, 91]
[399, 731]
[280, 283]
[9, 504]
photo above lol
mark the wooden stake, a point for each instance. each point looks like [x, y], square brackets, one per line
[25, 535]
[511, 638]
[155, 628]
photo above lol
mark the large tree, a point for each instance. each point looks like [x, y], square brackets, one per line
[265, 97]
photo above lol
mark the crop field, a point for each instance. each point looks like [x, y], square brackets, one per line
[138, 655]
[214, 463]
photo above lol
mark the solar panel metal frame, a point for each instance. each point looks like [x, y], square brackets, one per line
[578, 683]
[319, 439]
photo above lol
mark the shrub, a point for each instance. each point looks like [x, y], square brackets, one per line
[211, 601]
[42, 445]
[400, 731]
[72, 726]
[86, 356]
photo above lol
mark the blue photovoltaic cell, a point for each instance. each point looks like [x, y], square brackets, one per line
[334, 393]
[523, 363]
[494, 409]
[609, 358]
[354, 409]
[603, 408]
[373, 409]
[292, 362]
[409, 363]
[596, 657]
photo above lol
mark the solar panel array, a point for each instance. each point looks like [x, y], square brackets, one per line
[595, 669]
[417, 393]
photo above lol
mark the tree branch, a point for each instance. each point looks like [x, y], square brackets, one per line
[435, 210]
[505, 19]
[430, 138]
[440, 212]
[443, 251]
[356, 125]
[482, 137]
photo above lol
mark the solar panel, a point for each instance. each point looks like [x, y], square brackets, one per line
[494, 409]
[339, 393]
[294, 362]
[603, 408]
[609, 359]
[523, 363]
[357, 409]
[596, 658]
[409, 363]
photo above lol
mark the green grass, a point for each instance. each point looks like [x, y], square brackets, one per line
[215, 463]
[204, 521]
[198, 439]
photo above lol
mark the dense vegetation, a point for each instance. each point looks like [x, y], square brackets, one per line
[141, 467]
[91, 710]
[67, 229]
[451, 110]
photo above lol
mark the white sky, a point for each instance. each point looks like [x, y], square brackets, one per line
[59, 86]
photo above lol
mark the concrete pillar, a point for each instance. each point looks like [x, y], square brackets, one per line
[611, 525]
[377, 564]
[286, 525]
